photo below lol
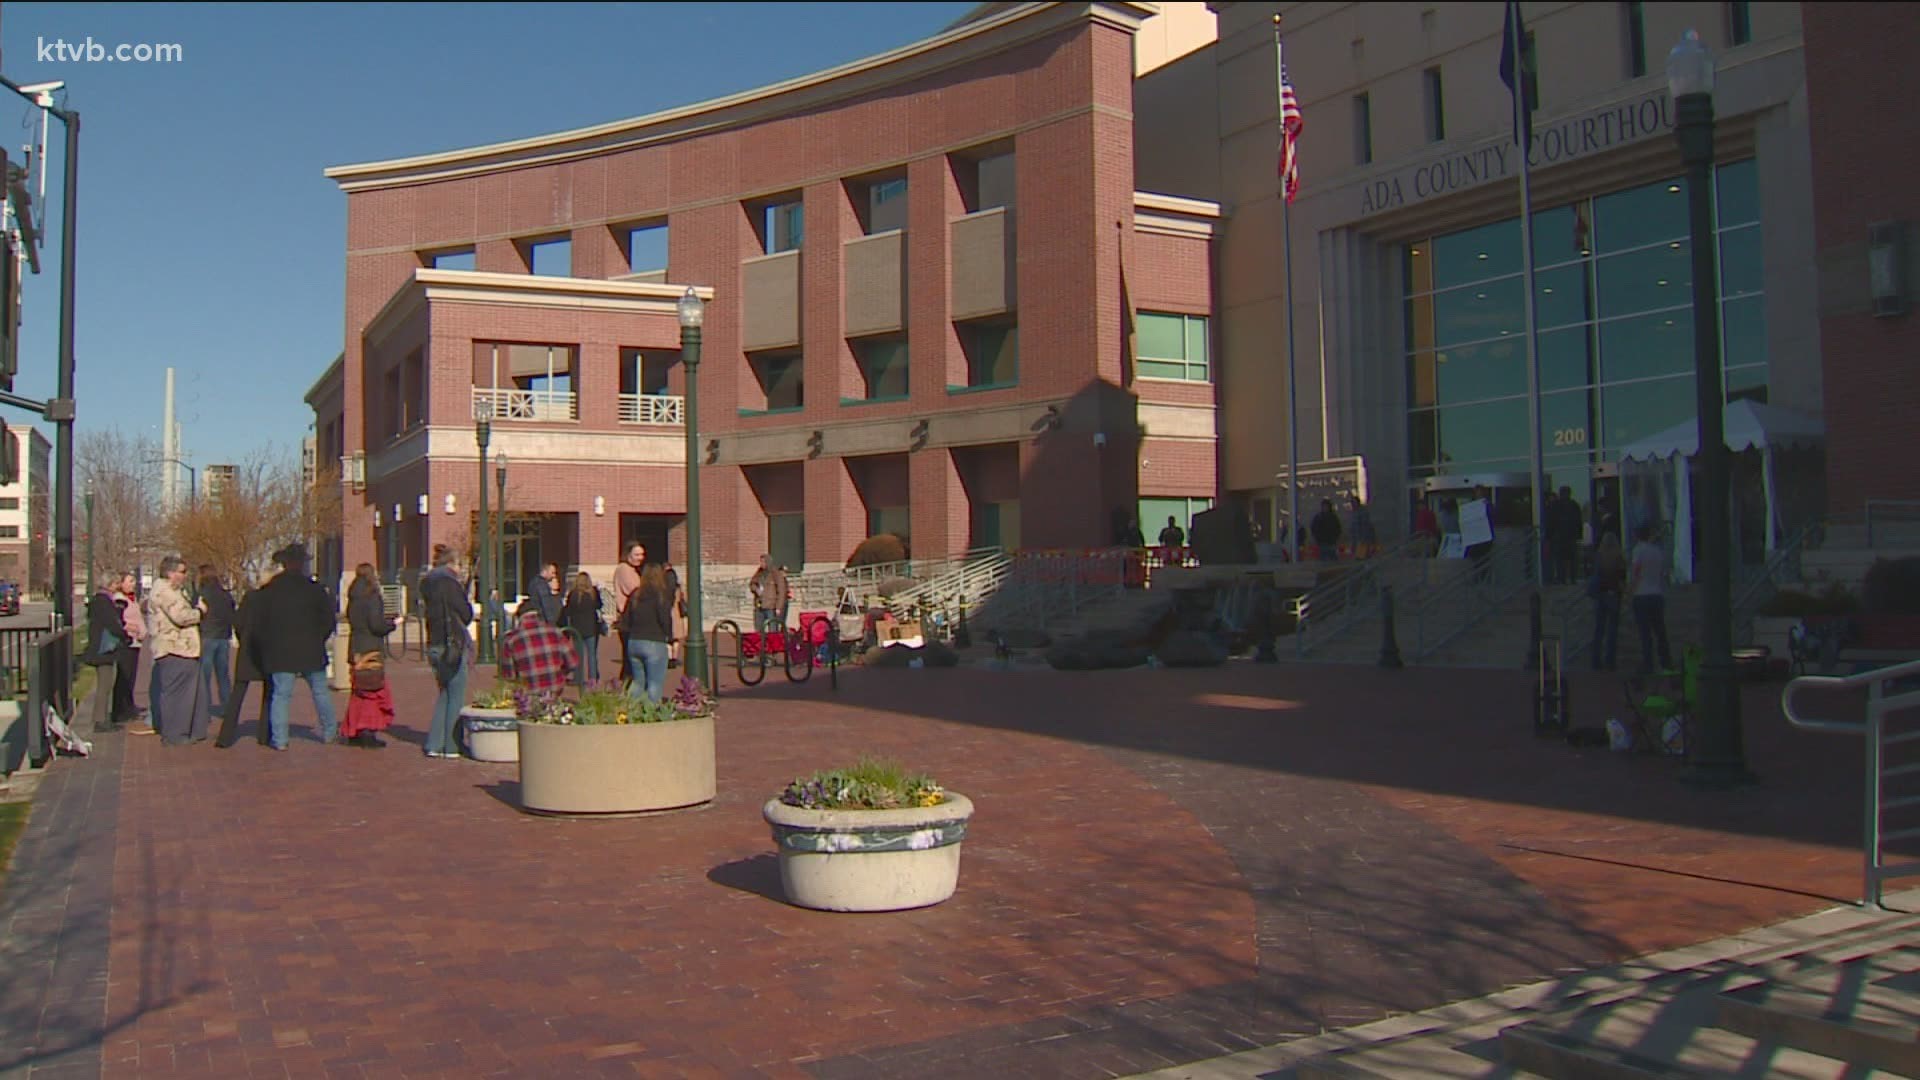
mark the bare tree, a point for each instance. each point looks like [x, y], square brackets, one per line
[267, 504]
[118, 467]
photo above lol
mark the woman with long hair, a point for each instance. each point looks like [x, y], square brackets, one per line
[648, 623]
[370, 709]
[581, 615]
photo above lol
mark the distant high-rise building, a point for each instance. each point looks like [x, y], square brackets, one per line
[25, 514]
[220, 479]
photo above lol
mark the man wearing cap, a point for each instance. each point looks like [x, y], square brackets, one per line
[297, 618]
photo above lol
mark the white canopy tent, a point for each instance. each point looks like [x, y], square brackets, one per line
[1749, 425]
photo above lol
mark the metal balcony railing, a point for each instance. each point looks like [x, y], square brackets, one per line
[653, 409]
[526, 404]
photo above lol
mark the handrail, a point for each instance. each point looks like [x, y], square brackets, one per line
[1508, 572]
[1879, 704]
[1783, 566]
[1346, 597]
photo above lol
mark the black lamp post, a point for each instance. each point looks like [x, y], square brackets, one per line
[1717, 757]
[500, 541]
[693, 315]
[482, 433]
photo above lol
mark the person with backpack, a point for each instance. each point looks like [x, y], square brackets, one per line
[443, 593]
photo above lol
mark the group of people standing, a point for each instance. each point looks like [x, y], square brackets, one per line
[282, 625]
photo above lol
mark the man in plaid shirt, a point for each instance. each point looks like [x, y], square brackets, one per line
[537, 654]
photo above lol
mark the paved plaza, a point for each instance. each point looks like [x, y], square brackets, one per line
[1165, 866]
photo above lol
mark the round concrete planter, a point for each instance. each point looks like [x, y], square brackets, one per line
[616, 768]
[495, 745]
[869, 860]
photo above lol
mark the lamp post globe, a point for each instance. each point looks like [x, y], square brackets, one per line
[1716, 754]
[482, 434]
[693, 316]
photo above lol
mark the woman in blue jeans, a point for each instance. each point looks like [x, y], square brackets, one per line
[443, 593]
[648, 622]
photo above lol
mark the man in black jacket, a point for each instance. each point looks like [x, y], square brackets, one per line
[296, 619]
[216, 639]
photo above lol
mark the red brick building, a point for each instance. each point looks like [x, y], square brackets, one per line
[937, 306]
[1866, 149]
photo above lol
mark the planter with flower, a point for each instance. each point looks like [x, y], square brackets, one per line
[868, 838]
[491, 723]
[608, 753]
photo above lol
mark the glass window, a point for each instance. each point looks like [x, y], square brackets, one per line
[787, 540]
[1436, 109]
[1740, 23]
[551, 258]
[1739, 185]
[1490, 309]
[1643, 216]
[1566, 423]
[1646, 280]
[9, 504]
[883, 366]
[783, 226]
[1561, 235]
[1636, 40]
[1566, 358]
[454, 260]
[1478, 372]
[1743, 327]
[1423, 378]
[1171, 347]
[647, 248]
[1154, 513]
[1740, 270]
[993, 353]
[1362, 129]
[886, 205]
[897, 520]
[1637, 410]
[1561, 297]
[1487, 433]
[781, 378]
[985, 182]
[1477, 254]
[1646, 346]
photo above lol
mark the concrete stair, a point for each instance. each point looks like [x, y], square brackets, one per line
[1831, 996]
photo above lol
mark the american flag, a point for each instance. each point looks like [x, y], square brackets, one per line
[1291, 124]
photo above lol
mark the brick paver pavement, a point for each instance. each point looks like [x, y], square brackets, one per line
[1164, 866]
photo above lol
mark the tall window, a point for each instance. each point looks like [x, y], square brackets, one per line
[897, 520]
[993, 353]
[1613, 308]
[780, 375]
[1435, 105]
[453, 260]
[1362, 129]
[647, 248]
[883, 366]
[985, 181]
[1739, 23]
[1154, 513]
[1636, 39]
[787, 541]
[782, 225]
[1172, 347]
[996, 524]
[880, 204]
[551, 258]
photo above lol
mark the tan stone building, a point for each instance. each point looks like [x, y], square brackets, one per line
[1407, 288]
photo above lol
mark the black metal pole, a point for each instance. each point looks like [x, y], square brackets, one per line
[696, 658]
[483, 530]
[1717, 756]
[1389, 644]
[63, 416]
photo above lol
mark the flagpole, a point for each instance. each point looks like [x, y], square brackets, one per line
[1536, 467]
[1286, 257]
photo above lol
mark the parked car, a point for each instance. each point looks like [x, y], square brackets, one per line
[9, 598]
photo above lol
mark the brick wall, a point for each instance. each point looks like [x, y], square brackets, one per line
[1866, 150]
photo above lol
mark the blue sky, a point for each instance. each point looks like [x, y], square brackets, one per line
[209, 240]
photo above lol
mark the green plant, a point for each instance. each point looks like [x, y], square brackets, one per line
[609, 704]
[1797, 604]
[501, 695]
[870, 784]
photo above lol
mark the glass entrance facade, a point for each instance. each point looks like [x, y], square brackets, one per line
[1614, 305]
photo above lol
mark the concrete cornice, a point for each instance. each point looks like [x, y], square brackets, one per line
[528, 290]
[957, 45]
[336, 373]
[1169, 215]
